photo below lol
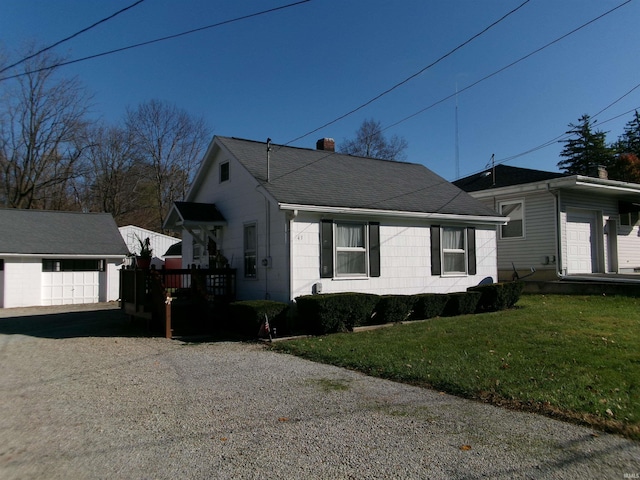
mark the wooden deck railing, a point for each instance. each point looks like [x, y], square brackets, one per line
[149, 294]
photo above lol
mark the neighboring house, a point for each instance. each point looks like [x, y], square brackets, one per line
[296, 221]
[561, 224]
[56, 258]
[173, 256]
[160, 243]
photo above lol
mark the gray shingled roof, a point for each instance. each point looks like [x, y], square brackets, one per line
[323, 178]
[34, 232]
[505, 176]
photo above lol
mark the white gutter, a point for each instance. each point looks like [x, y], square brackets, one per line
[478, 219]
[561, 182]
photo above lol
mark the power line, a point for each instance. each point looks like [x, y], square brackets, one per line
[71, 36]
[544, 145]
[555, 140]
[584, 25]
[389, 90]
[149, 42]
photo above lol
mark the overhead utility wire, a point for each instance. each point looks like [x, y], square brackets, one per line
[565, 135]
[506, 67]
[551, 142]
[71, 36]
[389, 90]
[149, 42]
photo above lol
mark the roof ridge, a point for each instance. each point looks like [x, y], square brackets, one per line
[344, 154]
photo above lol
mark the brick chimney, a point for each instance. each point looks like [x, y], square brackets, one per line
[602, 172]
[327, 144]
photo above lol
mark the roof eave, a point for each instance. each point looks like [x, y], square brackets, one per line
[65, 255]
[475, 219]
[574, 181]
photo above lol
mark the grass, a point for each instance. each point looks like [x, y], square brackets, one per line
[573, 357]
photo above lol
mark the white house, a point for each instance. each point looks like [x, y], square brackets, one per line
[561, 225]
[159, 242]
[296, 221]
[56, 258]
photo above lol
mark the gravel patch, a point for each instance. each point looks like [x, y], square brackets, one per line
[109, 405]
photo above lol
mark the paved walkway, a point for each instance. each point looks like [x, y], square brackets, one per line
[82, 397]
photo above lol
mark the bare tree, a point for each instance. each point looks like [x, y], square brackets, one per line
[370, 142]
[170, 142]
[113, 181]
[41, 123]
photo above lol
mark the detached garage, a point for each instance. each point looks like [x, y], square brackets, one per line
[58, 258]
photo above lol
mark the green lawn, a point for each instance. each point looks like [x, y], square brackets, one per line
[573, 357]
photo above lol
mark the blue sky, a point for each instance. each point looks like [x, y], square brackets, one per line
[286, 73]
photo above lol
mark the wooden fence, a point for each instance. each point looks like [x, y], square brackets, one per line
[154, 294]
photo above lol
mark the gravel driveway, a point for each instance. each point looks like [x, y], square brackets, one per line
[82, 399]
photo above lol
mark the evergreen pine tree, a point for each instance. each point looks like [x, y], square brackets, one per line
[586, 150]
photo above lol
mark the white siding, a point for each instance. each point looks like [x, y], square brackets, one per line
[538, 246]
[405, 262]
[22, 281]
[602, 207]
[159, 242]
[110, 282]
[240, 202]
[628, 248]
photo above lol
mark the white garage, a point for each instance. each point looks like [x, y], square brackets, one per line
[59, 258]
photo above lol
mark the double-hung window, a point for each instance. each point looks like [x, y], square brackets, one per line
[515, 211]
[453, 250]
[351, 249]
[250, 250]
[454, 254]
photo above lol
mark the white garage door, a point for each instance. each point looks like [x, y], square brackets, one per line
[63, 288]
[581, 247]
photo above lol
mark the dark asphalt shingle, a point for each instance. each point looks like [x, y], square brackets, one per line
[55, 232]
[323, 178]
[505, 176]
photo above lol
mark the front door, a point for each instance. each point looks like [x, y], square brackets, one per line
[581, 242]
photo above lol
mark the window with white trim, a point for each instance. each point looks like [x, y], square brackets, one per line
[515, 211]
[351, 249]
[250, 250]
[453, 250]
[454, 253]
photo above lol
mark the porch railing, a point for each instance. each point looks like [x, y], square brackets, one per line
[149, 293]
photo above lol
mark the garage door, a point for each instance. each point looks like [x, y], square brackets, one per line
[581, 247]
[63, 288]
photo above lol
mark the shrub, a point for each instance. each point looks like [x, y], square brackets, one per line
[428, 305]
[498, 296]
[461, 303]
[247, 316]
[393, 308]
[334, 312]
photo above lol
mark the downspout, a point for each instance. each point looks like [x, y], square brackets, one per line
[266, 261]
[558, 228]
[290, 218]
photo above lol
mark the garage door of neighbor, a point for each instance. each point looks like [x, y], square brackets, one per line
[581, 242]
